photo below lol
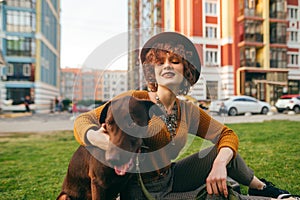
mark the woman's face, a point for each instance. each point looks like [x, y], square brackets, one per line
[169, 71]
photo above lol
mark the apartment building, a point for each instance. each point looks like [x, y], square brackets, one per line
[144, 20]
[247, 47]
[266, 47]
[89, 84]
[30, 46]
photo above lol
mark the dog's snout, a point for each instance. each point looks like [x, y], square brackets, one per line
[113, 159]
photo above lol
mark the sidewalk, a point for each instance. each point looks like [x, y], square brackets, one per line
[18, 122]
[65, 121]
[256, 118]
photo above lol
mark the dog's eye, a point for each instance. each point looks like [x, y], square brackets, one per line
[109, 122]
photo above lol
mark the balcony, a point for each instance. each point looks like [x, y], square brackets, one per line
[252, 37]
[251, 31]
[278, 39]
[278, 33]
[249, 63]
[250, 12]
[278, 63]
[278, 15]
[278, 9]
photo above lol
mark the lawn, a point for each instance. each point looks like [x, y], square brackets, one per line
[33, 165]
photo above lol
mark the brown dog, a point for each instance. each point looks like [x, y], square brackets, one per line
[97, 174]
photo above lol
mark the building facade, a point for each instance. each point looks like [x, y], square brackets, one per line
[246, 47]
[266, 48]
[87, 84]
[144, 20]
[30, 45]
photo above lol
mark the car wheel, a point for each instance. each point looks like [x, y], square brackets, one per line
[296, 109]
[232, 112]
[264, 110]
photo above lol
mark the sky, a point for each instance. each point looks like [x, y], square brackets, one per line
[86, 25]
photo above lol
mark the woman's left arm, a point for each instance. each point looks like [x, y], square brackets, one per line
[216, 180]
[204, 126]
[227, 144]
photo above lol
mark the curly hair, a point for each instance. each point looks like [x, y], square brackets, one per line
[157, 54]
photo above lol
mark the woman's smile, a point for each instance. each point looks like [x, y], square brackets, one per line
[168, 74]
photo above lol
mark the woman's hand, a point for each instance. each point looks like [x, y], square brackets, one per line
[98, 138]
[216, 182]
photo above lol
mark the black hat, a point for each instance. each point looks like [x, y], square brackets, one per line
[174, 38]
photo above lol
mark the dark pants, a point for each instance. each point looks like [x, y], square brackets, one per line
[196, 168]
[187, 175]
[27, 108]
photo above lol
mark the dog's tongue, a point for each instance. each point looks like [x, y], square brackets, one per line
[121, 170]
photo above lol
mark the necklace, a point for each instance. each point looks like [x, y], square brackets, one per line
[169, 119]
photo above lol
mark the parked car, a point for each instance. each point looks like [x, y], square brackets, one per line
[9, 106]
[236, 105]
[288, 102]
[82, 108]
[93, 106]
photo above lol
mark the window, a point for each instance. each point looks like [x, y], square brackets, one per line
[278, 58]
[293, 36]
[211, 32]
[278, 9]
[293, 59]
[252, 54]
[212, 90]
[280, 6]
[10, 69]
[250, 4]
[239, 99]
[293, 13]
[211, 57]
[20, 21]
[211, 8]
[20, 46]
[19, 71]
[17, 94]
[26, 70]
[278, 33]
[22, 3]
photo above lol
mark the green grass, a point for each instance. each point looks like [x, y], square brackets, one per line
[33, 165]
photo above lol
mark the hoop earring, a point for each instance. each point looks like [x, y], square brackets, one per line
[154, 89]
[152, 86]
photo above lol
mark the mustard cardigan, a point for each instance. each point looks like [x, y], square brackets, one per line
[191, 119]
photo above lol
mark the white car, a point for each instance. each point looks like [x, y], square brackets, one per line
[8, 106]
[288, 102]
[236, 105]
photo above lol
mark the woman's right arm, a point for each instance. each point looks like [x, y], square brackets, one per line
[89, 131]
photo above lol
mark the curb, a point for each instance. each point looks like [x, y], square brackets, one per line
[14, 115]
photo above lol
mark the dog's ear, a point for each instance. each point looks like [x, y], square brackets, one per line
[104, 112]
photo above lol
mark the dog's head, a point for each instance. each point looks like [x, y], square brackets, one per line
[126, 122]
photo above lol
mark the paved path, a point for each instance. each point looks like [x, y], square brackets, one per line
[37, 123]
[256, 118]
[65, 121]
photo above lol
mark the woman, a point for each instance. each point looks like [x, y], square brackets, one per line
[171, 66]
